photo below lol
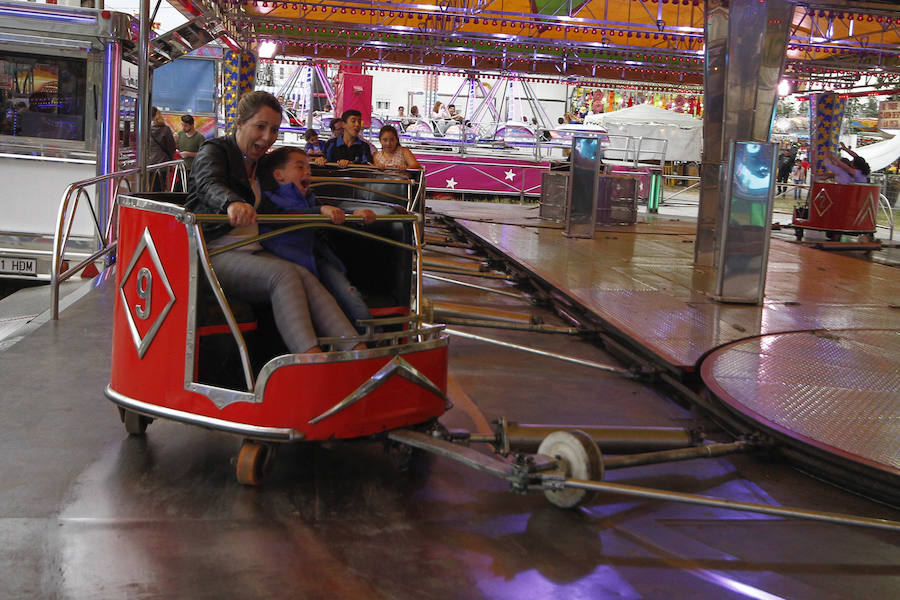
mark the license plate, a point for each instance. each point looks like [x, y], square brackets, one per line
[13, 265]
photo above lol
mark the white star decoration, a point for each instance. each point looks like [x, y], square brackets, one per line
[510, 175]
[451, 183]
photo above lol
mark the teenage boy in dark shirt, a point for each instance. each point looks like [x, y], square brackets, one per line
[348, 148]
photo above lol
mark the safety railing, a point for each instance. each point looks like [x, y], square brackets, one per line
[885, 205]
[107, 188]
[425, 134]
[622, 149]
[634, 151]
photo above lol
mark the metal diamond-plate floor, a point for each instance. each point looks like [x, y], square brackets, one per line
[834, 391]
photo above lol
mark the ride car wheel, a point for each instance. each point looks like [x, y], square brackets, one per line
[135, 424]
[251, 462]
[578, 457]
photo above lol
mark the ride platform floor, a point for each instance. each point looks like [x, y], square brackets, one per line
[87, 511]
[835, 388]
[641, 281]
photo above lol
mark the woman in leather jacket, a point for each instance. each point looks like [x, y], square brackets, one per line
[223, 181]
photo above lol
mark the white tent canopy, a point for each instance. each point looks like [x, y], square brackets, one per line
[683, 132]
[881, 154]
[647, 114]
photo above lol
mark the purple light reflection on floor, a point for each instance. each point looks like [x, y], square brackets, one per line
[602, 582]
[735, 586]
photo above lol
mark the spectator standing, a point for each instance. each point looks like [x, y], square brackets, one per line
[162, 148]
[786, 162]
[799, 177]
[188, 141]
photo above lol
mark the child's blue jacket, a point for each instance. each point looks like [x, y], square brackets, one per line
[299, 247]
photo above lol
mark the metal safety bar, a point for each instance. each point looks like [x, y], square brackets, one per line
[563, 357]
[216, 287]
[414, 201]
[537, 472]
[679, 192]
[421, 332]
[392, 338]
[799, 513]
[307, 222]
[112, 184]
[477, 287]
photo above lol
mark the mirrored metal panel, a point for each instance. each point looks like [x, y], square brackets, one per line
[582, 207]
[744, 239]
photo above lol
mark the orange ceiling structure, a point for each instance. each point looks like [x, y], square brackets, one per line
[659, 41]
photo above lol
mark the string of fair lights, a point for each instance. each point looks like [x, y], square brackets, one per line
[435, 31]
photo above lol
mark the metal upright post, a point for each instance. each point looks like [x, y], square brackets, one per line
[142, 111]
[739, 96]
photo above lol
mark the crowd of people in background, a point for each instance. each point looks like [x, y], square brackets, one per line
[166, 146]
[345, 146]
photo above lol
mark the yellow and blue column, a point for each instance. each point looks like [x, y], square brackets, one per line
[239, 78]
[826, 114]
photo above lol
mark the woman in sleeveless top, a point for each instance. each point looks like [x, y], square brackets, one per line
[392, 155]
